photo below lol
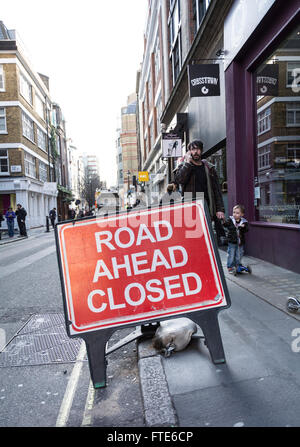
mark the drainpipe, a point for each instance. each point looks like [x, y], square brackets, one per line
[48, 151]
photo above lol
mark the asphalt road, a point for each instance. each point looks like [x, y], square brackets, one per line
[44, 375]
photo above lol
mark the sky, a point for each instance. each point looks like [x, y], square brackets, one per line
[91, 51]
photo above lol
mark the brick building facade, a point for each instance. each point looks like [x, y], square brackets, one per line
[27, 162]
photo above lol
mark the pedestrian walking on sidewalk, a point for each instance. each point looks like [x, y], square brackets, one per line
[21, 214]
[10, 220]
[52, 215]
[237, 226]
[196, 175]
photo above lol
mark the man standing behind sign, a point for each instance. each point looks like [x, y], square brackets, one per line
[197, 175]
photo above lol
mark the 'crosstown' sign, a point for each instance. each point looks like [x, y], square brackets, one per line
[137, 267]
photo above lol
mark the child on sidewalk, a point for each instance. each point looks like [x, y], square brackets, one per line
[237, 226]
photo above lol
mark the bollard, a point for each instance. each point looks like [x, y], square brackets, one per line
[47, 225]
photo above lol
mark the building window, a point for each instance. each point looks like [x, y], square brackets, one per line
[2, 83]
[151, 133]
[4, 162]
[157, 58]
[30, 167]
[39, 105]
[293, 74]
[264, 121]
[264, 156]
[3, 128]
[293, 114]
[53, 118]
[149, 83]
[27, 125]
[25, 89]
[277, 174]
[176, 59]
[41, 139]
[199, 8]
[58, 144]
[293, 155]
[43, 171]
[175, 38]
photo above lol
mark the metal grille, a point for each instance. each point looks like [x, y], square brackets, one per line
[42, 340]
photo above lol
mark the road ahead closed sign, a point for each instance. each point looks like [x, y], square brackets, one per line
[132, 268]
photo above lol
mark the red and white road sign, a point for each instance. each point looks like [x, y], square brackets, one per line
[131, 268]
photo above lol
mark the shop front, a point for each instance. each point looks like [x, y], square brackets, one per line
[36, 197]
[262, 82]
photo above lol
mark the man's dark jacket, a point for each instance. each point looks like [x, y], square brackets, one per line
[184, 175]
[21, 214]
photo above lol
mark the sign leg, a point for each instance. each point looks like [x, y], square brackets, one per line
[208, 321]
[95, 346]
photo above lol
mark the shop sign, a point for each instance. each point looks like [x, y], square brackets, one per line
[204, 80]
[143, 176]
[267, 80]
[171, 145]
[16, 168]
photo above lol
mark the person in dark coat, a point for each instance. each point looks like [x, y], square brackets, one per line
[199, 176]
[196, 175]
[52, 215]
[21, 214]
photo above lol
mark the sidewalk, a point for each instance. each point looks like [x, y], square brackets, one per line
[32, 232]
[270, 283]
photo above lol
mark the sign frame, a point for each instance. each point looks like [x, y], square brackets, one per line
[206, 317]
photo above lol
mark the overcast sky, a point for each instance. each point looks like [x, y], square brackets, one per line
[91, 51]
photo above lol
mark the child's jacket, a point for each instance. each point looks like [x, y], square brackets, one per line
[235, 232]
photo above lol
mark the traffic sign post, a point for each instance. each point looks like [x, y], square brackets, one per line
[136, 269]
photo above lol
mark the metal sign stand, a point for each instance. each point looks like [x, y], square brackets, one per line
[97, 351]
[96, 343]
[208, 321]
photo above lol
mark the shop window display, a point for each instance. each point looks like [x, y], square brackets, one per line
[277, 175]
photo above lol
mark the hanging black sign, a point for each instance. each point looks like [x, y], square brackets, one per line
[267, 80]
[204, 80]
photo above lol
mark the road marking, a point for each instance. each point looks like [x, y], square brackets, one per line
[87, 415]
[19, 265]
[67, 401]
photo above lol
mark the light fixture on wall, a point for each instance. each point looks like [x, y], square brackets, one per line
[220, 52]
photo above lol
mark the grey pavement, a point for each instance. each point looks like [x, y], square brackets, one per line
[31, 232]
[257, 386]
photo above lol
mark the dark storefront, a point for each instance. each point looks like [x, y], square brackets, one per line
[263, 127]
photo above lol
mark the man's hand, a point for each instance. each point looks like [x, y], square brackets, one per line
[188, 157]
[220, 215]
